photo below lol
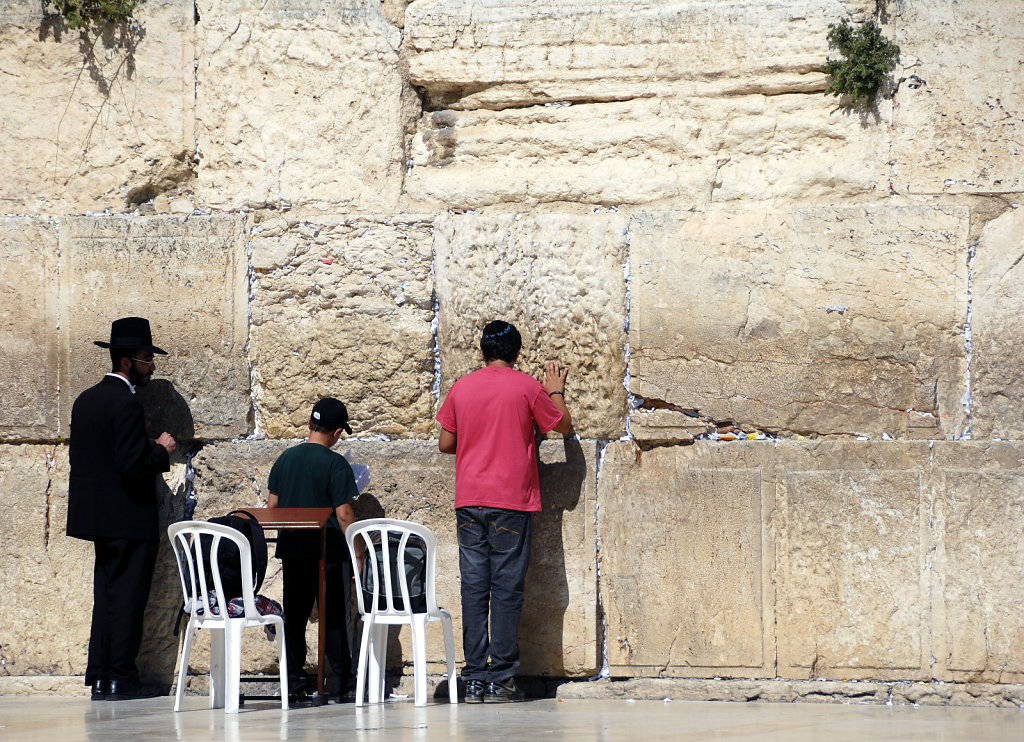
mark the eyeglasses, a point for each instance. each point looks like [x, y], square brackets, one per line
[144, 362]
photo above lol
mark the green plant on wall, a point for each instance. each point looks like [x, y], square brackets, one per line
[868, 58]
[80, 13]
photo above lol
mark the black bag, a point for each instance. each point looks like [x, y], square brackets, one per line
[415, 575]
[228, 558]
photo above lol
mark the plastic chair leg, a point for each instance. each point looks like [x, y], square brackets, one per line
[217, 668]
[186, 649]
[378, 659]
[419, 656]
[232, 664]
[364, 647]
[449, 658]
[282, 663]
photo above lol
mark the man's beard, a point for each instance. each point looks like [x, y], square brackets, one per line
[136, 377]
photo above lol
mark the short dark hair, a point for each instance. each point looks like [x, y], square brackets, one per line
[500, 342]
[317, 428]
[116, 354]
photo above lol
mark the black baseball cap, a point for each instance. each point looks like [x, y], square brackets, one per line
[331, 414]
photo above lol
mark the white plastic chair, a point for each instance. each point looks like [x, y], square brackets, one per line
[226, 632]
[373, 535]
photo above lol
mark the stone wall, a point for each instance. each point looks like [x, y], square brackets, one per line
[790, 324]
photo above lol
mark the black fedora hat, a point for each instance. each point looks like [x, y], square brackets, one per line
[130, 333]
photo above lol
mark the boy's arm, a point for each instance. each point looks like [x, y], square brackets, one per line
[271, 499]
[447, 441]
[554, 385]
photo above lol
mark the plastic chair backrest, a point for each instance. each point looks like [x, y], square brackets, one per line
[374, 536]
[186, 539]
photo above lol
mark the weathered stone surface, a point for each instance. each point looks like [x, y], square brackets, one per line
[99, 123]
[28, 328]
[413, 481]
[343, 307]
[46, 629]
[558, 278]
[958, 119]
[298, 103]
[789, 323]
[683, 559]
[997, 301]
[188, 277]
[853, 598]
[684, 102]
[979, 497]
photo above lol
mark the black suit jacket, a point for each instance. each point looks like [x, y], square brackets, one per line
[112, 491]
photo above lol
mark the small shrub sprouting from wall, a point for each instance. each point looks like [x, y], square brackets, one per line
[867, 58]
[80, 13]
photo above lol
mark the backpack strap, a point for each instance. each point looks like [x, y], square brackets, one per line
[257, 545]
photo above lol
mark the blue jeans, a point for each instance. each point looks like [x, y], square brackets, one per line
[494, 552]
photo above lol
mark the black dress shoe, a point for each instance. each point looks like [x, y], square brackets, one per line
[126, 690]
[99, 690]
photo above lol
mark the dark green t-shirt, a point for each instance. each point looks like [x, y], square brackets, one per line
[312, 476]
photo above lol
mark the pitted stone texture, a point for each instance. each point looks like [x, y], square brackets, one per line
[624, 103]
[979, 498]
[298, 102]
[343, 307]
[413, 481]
[188, 277]
[679, 149]
[997, 301]
[785, 321]
[88, 124]
[683, 559]
[29, 337]
[958, 123]
[502, 53]
[853, 595]
[559, 279]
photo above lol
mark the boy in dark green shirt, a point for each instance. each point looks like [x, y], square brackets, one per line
[311, 475]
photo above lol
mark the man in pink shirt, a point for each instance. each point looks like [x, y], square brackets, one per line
[487, 420]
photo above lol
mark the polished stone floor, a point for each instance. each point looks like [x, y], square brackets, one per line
[56, 719]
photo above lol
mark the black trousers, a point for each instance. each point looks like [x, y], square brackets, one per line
[121, 579]
[301, 586]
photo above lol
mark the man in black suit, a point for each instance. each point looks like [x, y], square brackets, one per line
[112, 502]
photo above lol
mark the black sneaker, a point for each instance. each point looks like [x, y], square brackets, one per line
[507, 691]
[474, 691]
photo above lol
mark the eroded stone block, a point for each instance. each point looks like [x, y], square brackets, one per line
[188, 277]
[957, 126]
[413, 481]
[28, 328]
[997, 293]
[682, 559]
[558, 278]
[99, 122]
[785, 321]
[299, 103]
[853, 597]
[343, 308]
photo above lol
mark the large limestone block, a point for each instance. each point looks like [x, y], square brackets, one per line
[501, 53]
[840, 320]
[958, 119]
[979, 501]
[343, 307]
[298, 102]
[412, 481]
[997, 301]
[853, 595]
[93, 123]
[559, 279]
[684, 556]
[688, 102]
[29, 337]
[188, 277]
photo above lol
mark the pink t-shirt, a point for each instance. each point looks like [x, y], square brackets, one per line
[492, 412]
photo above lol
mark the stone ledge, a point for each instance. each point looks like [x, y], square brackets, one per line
[798, 691]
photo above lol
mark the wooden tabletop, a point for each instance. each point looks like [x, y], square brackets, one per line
[291, 518]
